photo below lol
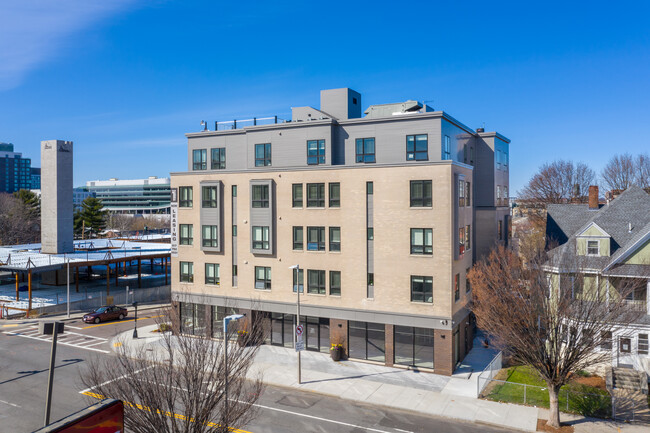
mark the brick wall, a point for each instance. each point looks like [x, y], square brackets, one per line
[443, 352]
[390, 345]
[339, 334]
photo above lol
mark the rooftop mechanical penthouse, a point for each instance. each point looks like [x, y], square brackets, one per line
[384, 210]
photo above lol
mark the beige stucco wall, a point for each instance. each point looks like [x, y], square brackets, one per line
[392, 217]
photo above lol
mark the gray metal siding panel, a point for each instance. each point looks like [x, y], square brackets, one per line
[263, 216]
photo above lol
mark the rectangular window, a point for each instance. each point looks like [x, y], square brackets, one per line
[468, 236]
[218, 158]
[498, 195]
[467, 194]
[500, 230]
[263, 277]
[262, 154]
[187, 272]
[234, 270]
[315, 195]
[465, 153]
[209, 199]
[593, 248]
[200, 159]
[505, 160]
[212, 273]
[315, 152]
[234, 230]
[260, 196]
[367, 341]
[298, 280]
[420, 193]
[371, 279]
[185, 199]
[421, 289]
[446, 148]
[461, 241]
[498, 160]
[371, 233]
[369, 188]
[625, 345]
[335, 288]
[642, 344]
[261, 238]
[456, 287]
[417, 147]
[461, 193]
[186, 234]
[335, 194]
[296, 195]
[606, 340]
[413, 346]
[365, 150]
[468, 286]
[315, 238]
[335, 238]
[234, 190]
[505, 196]
[316, 282]
[297, 238]
[422, 241]
[210, 236]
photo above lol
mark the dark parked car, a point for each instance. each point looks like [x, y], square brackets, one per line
[102, 314]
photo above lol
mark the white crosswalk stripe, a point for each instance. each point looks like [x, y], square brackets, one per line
[72, 339]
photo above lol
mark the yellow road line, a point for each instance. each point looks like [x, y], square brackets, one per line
[11, 325]
[167, 413]
[114, 322]
[118, 344]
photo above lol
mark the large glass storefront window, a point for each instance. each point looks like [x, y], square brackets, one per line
[218, 314]
[413, 346]
[282, 329]
[192, 319]
[367, 341]
[317, 334]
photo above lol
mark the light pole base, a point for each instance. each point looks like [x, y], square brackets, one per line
[135, 333]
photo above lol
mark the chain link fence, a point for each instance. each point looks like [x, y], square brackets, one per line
[587, 404]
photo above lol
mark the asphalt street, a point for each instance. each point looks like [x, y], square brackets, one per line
[24, 362]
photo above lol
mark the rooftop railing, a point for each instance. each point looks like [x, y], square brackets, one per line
[239, 124]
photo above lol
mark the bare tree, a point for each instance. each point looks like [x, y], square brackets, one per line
[180, 386]
[119, 222]
[548, 315]
[19, 224]
[619, 172]
[559, 182]
[642, 170]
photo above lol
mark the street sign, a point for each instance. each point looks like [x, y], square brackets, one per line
[300, 345]
[299, 330]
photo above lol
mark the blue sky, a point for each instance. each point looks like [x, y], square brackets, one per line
[126, 79]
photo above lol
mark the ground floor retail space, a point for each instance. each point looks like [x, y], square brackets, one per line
[437, 350]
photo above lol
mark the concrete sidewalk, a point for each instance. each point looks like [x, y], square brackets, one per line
[424, 393]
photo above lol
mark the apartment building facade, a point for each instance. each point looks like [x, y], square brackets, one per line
[384, 215]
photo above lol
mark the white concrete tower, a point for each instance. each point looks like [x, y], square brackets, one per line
[56, 197]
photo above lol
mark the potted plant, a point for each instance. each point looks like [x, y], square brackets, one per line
[242, 338]
[336, 349]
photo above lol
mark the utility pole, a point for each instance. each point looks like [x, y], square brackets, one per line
[296, 269]
[53, 328]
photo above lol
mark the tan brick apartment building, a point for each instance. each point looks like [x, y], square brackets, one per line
[383, 213]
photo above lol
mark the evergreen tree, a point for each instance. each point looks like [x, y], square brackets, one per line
[31, 201]
[93, 215]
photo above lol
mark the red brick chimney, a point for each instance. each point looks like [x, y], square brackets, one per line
[593, 197]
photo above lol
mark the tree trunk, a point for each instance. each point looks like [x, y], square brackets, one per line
[554, 406]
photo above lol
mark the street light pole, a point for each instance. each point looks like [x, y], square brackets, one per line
[135, 322]
[227, 320]
[296, 269]
[68, 287]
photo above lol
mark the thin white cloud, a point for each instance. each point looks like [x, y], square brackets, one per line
[34, 31]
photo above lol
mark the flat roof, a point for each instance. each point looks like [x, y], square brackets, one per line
[26, 257]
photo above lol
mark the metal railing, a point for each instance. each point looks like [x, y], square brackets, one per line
[488, 373]
[239, 124]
